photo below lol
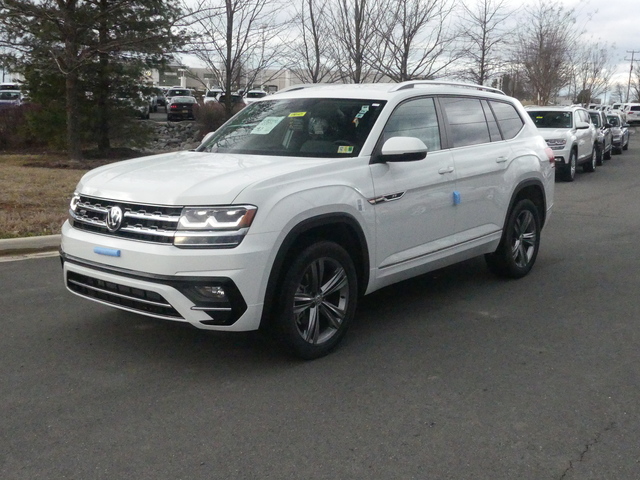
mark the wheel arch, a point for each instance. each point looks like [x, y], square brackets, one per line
[341, 228]
[532, 189]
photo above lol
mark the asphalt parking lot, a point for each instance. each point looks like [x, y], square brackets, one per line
[453, 375]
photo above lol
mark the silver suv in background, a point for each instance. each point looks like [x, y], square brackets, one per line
[569, 132]
[604, 139]
[619, 131]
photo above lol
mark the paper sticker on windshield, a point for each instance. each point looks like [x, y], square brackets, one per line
[297, 114]
[345, 149]
[266, 125]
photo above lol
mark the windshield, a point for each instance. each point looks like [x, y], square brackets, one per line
[310, 127]
[184, 100]
[179, 93]
[9, 95]
[551, 119]
[613, 120]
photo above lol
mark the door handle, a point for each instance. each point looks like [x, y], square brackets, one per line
[501, 159]
[444, 170]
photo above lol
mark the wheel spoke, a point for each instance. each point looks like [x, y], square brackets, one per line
[301, 302]
[335, 283]
[334, 314]
[313, 326]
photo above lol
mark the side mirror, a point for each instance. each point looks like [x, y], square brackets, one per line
[402, 149]
[607, 125]
[582, 125]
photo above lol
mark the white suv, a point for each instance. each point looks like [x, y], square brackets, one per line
[307, 200]
[571, 135]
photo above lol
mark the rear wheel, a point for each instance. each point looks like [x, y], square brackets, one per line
[520, 242]
[590, 166]
[599, 154]
[317, 301]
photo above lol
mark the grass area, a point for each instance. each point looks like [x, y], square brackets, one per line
[34, 193]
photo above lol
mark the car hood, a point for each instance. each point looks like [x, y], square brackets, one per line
[188, 178]
[554, 132]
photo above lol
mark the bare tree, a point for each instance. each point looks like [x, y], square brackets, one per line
[546, 36]
[236, 39]
[591, 71]
[354, 37]
[311, 59]
[414, 38]
[634, 86]
[484, 33]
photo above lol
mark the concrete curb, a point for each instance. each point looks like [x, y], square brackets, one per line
[28, 245]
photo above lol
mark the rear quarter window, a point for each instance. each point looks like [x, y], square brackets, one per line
[508, 118]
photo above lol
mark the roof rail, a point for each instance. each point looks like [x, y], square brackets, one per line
[412, 84]
[299, 86]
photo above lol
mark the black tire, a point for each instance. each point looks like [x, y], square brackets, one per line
[607, 154]
[625, 146]
[568, 172]
[590, 166]
[317, 300]
[599, 154]
[617, 150]
[520, 242]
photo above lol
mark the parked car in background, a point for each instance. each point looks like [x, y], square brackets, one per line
[305, 201]
[212, 95]
[10, 98]
[253, 95]
[619, 131]
[570, 134]
[616, 106]
[178, 92]
[236, 99]
[632, 111]
[182, 108]
[604, 143]
[161, 100]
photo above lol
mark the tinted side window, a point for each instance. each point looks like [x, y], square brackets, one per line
[467, 121]
[415, 118]
[508, 118]
[494, 131]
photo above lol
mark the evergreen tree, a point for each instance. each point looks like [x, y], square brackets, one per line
[99, 48]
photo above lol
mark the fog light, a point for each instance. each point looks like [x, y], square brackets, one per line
[212, 292]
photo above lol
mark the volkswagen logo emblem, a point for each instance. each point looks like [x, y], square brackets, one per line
[114, 219]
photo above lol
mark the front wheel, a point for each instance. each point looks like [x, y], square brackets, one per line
[520, 242]
[568, 173]
[317, 300]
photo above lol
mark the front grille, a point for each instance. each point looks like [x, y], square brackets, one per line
[150, 223]
[137, 299]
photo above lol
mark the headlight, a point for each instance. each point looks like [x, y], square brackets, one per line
[213, 227]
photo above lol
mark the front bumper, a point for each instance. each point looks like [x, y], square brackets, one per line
[214, 289]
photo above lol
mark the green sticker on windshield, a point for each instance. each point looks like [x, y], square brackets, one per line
[345, 149]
